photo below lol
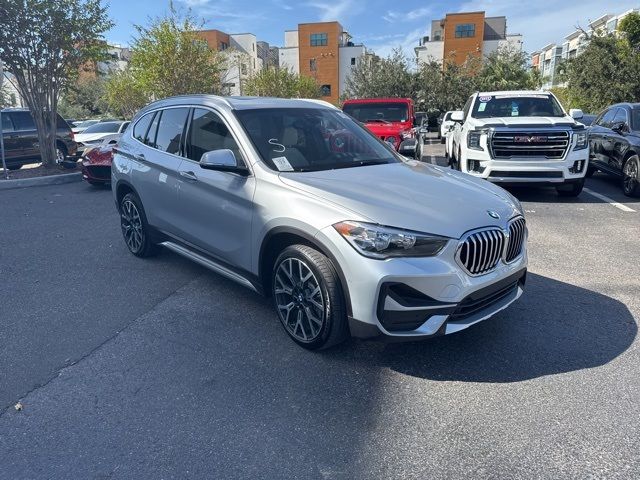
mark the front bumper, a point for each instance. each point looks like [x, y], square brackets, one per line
[572, 168]
[414, 298]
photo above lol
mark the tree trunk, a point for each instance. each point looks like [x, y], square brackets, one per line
[46, 135]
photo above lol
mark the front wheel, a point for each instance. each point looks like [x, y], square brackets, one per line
[571, 189]
[135, 228]
[308, 298]
[631, 176]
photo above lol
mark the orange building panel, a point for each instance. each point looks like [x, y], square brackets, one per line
[463, 36]
[319, 55]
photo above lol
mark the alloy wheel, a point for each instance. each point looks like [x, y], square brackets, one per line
[299, 300]
[631, 175]
[59, 155]
[131, 223]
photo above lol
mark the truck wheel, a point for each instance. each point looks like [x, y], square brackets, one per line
[571, 189]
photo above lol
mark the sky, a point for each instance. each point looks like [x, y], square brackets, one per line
[381, 25]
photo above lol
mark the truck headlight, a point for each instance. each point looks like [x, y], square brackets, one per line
[377, 241]
[407, 134]
[473, 140]
[581, 141]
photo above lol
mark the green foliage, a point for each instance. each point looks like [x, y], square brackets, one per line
[607, 72]
[280, 82]
[444, 89]
[507, 69]
[381, 77]
[124, 95]
[44, 44]
[87, 98]
[630, 26]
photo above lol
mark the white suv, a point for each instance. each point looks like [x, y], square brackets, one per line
[521, 137]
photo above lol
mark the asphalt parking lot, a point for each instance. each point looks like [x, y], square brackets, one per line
[158, 368]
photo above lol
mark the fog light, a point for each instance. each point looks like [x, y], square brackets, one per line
[577, 167]
[474, 166]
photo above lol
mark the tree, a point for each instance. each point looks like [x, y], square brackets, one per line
[381, 77]
[607, 72]
[507, 69]
[280, 82]
[630, 27]
[442, 88]
[44, 44]
[124, 95]
[87, 98]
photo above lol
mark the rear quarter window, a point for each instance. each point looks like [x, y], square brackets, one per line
[141, 127]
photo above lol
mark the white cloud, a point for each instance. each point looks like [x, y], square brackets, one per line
[406, 43]
[336, 9]
[547, 21]
[412, 15]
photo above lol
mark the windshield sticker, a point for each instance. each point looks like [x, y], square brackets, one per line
[514, 109]
[481, 107]
[521, 95]
[282, 164]
[485, 99]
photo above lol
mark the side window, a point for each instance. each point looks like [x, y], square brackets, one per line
[141, 127]
[7, 124]
[621, 116]
[150, 137]
[124, 126]
[23, 121]
[607, 119]
[208, 132]
[170, 128]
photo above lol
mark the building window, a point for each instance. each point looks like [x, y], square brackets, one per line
[325, 90]
[318, 39]
[224, 45]
[465, 30]
[313, 65]
[243, 69]
[353, 61]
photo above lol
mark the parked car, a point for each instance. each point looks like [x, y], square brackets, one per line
[97, 133]
[79, 127]
[96, 163]
[521, 137]
[445, 127]
[614, 139]
[21, 139]
[390, 119]
[346, 235]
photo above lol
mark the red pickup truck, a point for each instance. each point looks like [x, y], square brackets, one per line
[390, 119]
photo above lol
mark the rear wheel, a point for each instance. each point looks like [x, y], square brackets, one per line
[631, 176]
[135, 229]
[61, 153]
[571, 189]
[308, 298]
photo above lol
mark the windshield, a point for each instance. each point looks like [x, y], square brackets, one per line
[104, 127]
[86, 123]
[377, 112]
[635, 119]
[311, 139]
[516, 106]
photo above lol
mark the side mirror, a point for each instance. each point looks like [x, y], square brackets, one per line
[222, 160]
[407, 147]
[576, 113]
[457, 116]
[619, 127]
[415, 121]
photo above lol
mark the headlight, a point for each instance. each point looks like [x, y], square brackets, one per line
[581, 140]
[376, 241]
[473, 140]
[407, 134]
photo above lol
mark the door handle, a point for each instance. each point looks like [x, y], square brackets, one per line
[189, 176]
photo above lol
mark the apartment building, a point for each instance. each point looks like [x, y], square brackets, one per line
[458, 36]
[324, 51]
[549, 57]
[243, 60]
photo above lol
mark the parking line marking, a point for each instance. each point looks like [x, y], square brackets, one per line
[610, 201]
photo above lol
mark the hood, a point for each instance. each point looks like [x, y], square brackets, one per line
[565, 121]
[386, 129]
[411, 195]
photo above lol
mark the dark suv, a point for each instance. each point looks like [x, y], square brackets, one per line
[21, 138]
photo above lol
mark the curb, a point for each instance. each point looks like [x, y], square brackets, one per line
[41, 181]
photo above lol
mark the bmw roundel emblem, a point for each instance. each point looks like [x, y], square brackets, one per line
[493, 214]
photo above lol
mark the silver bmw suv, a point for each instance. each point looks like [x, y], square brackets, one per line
[295, 200]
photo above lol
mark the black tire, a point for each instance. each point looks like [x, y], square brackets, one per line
[590, 172]
[571, 189]
[61, 153]
[631, 176]
[333, 328]
[14, 167]
[143, 245]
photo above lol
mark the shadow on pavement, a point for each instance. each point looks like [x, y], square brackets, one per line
[554, 328]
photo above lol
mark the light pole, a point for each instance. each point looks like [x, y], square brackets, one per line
[4, 163]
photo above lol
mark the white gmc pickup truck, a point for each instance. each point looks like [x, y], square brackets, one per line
[518, 137]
